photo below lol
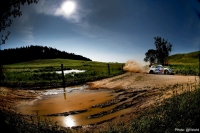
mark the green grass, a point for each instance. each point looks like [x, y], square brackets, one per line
[180, 111]
[54, 63]
[192, 57]
[42, 72]
[185, 64]
[185, 69]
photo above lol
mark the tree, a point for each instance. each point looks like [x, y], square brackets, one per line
[9, 9]
[163, 49]
[150, 55]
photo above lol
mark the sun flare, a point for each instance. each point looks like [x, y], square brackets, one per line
[69, 121]
[68, 7]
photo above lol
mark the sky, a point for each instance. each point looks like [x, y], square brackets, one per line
[107, 30]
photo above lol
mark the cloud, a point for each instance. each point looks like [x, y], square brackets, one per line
[56, 8]
[47, 7]
[28, 35]
[89, 17]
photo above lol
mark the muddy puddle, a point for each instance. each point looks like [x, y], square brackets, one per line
[76, 107]
[71, 71]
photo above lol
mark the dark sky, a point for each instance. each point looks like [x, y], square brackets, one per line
[108, 30]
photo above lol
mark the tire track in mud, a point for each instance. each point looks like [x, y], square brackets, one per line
[67, 113]
[125, 100]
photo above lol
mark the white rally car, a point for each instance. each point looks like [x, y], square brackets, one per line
[159, 69]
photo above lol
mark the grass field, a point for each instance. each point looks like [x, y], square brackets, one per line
[42, 72]
[185, 64]
[192, 57]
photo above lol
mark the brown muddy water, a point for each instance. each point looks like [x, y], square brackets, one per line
[64, 100]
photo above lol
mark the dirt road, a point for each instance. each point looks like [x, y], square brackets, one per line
[136, 90]
[141, 90]
[149, 88]
[140, 81]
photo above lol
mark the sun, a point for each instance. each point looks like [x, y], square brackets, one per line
[68, 7]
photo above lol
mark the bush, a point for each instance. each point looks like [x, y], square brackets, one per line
[180, 111]
[17, 123]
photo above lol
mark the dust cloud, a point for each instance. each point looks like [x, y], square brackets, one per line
[133, 66]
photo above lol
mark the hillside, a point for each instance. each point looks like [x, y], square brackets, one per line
[192, 57]
[39, 63]
[41, 73]
[30, 53]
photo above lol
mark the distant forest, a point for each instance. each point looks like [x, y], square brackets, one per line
[28, 53]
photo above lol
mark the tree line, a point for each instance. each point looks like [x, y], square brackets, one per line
[28, 53]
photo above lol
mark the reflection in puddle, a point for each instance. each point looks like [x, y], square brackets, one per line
[68, 121]
[70, 71]
[75, 100]
[67, 89]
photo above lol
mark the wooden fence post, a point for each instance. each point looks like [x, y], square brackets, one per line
[63, 76]
[1, 73]
[108, 69]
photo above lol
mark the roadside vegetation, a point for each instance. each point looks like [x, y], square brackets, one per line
[42, 72]
[173, 114]
[185, 64]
